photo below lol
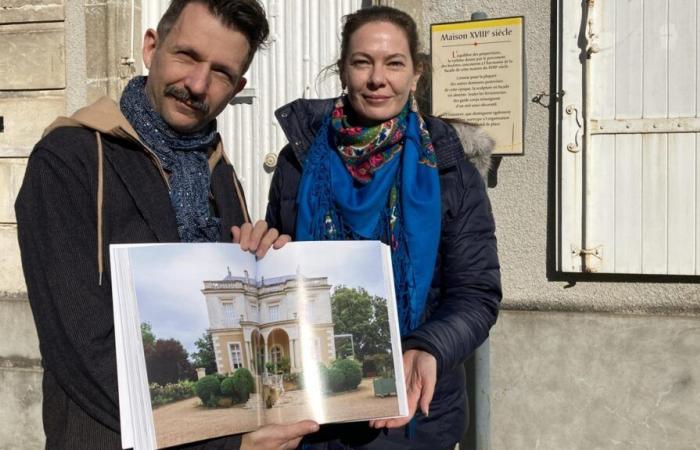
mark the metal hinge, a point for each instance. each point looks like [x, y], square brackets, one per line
[591, 258]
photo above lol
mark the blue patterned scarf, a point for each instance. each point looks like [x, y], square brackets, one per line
[184, 156]
[399, 205]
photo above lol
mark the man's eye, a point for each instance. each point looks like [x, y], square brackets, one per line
[224, 76]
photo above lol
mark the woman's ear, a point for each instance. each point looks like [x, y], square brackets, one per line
[416, 76]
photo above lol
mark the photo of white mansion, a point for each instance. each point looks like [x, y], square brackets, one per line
[255, 323]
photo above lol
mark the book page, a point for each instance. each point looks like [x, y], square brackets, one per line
[330, 333]
[211, 343]
[194, 317]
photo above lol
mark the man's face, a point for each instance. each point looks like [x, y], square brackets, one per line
[196, 70]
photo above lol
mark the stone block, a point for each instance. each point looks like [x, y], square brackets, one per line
[587, 380]
[33, 56]
[25, 116]
[19, 343]
[97, 41]
[11, 175]
[18, 11]
[20, 410]
[11, 276]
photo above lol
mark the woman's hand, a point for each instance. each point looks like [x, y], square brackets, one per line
[278, 437]
[420, 370]
[258, 239]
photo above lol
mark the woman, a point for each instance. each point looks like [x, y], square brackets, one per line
[368, 166]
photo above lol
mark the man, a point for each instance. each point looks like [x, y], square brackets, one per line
[150, 169]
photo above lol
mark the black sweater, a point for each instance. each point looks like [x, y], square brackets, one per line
[57, 226]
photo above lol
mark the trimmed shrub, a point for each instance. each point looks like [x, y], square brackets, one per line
[335, 380]
[208, 389]
[344, 375]
[243, 384]
[227, 387]
[352, 372]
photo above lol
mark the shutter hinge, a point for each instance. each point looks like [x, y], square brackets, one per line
[591, 258]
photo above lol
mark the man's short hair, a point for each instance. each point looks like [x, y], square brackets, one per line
[245, 16]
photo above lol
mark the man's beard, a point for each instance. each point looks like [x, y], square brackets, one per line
[184, 96]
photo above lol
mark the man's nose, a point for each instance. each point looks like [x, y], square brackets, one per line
[198, 79]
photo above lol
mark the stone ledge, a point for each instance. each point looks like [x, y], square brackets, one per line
[16, 11]
[20, 409]
[19, 362]
[25, 116]
[11, 276]
[33, 56]
[11, 176]
[19, 343]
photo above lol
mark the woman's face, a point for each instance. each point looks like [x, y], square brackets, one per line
[378, 71]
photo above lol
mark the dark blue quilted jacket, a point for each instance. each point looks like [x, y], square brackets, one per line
[466, 289]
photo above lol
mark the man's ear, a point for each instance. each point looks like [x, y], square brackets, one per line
[242, 81]
[150, 42]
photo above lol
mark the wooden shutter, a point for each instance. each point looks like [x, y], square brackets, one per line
[629, 164]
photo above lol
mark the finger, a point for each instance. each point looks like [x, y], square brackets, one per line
[266, 242]
[281, 241]
[397, 422]
[291, 445]
[259, 230]
[236, 233]
[427, 395]
[246, 230]
[299, 429]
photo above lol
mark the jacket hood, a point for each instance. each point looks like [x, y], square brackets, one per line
[478, 145]
[103, 116]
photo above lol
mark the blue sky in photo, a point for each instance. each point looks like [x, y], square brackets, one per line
[168, 278]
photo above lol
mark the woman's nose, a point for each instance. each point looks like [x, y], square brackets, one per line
[377, 76]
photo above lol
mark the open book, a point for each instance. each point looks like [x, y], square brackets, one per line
[211, 342]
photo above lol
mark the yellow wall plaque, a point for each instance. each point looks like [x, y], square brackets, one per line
[478, 77]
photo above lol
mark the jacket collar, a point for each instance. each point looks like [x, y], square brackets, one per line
[301, 119]
[106, 119]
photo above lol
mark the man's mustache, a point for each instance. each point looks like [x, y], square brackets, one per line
[184, 96]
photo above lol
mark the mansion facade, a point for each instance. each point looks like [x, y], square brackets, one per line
[257, 324]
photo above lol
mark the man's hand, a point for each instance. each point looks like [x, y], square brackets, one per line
[278, 437]
[420, 371]
[258, 239]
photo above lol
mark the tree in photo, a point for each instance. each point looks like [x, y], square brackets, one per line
[205, 356]
[364, 316]
[166, 359]
[147, 336]
[168, 363]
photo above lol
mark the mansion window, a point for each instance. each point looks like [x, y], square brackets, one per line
[229, 314]
[236, 355]
[273, 313]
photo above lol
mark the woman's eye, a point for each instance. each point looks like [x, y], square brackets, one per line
[396, 63]
[360, 62]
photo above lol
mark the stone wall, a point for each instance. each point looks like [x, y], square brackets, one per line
[57, 55]
[32, 89]
[580, 361]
